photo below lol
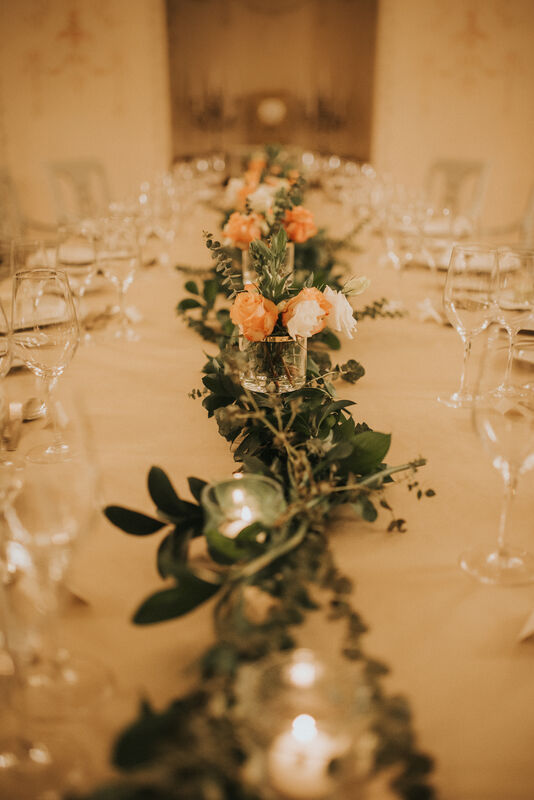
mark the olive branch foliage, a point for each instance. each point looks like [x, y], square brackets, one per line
[310, 444]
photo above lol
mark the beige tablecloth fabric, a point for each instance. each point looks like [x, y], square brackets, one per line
[452, 644]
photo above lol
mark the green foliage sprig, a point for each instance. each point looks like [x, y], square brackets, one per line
[265, 582]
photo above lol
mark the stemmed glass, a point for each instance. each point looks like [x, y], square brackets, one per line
[47, 507]
[505, 426]
[468, 301]
[55, 509]
[514, 295]
[45, 337]
[119, 258]
[76, 255]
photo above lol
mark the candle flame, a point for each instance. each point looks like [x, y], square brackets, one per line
[302, 674]
[304, 728]
[238, 496]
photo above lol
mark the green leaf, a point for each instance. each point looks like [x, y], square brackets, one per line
[365, 508]
[189, 593]
[189, 302]
[370, 447]
[133, 521]
[195, 487]
[330, 339]
[211, 289]
[162, 493]
[192, 287]
[335, 405]
[173, 551]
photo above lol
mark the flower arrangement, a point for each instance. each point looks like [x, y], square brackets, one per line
[271, 306]
[275, 320]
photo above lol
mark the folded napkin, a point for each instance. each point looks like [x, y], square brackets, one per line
[527, 631]
[427, 312]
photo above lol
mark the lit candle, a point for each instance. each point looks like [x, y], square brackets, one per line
[234, 526]
[298, 760]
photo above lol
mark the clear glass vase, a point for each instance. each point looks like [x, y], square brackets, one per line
[249, 273]
[276, 364]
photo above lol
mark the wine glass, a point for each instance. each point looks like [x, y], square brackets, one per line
[514, 295]
[45, 337]
[468, 301]
[119, 259]
[505, 426]
[54, 511]
[32, 765]
[76, 255]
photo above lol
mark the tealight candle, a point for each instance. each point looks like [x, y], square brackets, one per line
[298, 760]
[232, 505]
[235, 526]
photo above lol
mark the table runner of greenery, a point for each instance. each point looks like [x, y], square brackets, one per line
[263, 589]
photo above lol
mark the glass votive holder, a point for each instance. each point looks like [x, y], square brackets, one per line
[307, 725]
[234, 504]
[249, 273]
[276, 364]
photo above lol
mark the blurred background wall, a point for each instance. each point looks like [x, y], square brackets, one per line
[399, 82]
[82, 79]
[456, 78]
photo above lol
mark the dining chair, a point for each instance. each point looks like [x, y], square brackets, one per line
[457, 184]
[80, 188]
[521, 230]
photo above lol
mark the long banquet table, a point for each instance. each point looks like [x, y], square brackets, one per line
[452, 644]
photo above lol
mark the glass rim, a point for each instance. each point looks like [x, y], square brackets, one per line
[51, 272]
[476, 247]
[279, 338]
[206, 500]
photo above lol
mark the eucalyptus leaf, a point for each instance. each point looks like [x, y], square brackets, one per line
[370, 447]
[164, 496]
[187, 304]
[192, 287]
[188, 594]
[133, 522]
[195, 487]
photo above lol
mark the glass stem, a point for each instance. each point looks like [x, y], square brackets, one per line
[510, 484]
[511, 345]
[467, 353]
[122, 306]
[49, 386]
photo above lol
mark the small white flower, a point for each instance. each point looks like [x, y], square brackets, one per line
[262, 198]
[305, 319]
[356, 286]
[340, 318]
[231, 195]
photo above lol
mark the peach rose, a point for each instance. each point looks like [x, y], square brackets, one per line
[298, 223]
[242, 195]
[242, 229]
[254, 314]
[257, 164]
[307, 313]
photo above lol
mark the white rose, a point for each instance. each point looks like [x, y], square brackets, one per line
[231, 195]
[305, 319]
[341, 316]
[261, 199]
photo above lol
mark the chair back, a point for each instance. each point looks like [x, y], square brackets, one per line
[80, 189]
[459, 185]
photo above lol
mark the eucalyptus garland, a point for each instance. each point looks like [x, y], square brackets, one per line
[266, 581]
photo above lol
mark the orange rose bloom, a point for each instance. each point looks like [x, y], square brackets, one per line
[254, 314]
[242, 229]
[298, 223]
[304, 295]
[242, 195]
[257, 165]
